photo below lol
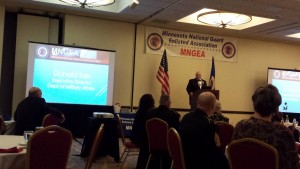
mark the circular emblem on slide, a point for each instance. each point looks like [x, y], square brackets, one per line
[42, 52]
[228, 50]
[154, 41]
[277, 74]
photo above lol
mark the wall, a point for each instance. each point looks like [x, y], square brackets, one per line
[108, 35]
[39, 30]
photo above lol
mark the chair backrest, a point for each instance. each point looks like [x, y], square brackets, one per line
[175, 149]
[49, 148]
[51, 119]
[250, 153]
[157, 130]
[94, 147]
[225, 132]
[121, 132]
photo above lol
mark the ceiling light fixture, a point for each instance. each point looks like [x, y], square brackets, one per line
[89, 3]
[223, 19]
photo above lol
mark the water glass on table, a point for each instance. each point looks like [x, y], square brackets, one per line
[27, 135]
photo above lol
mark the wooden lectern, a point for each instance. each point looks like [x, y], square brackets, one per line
[194, 98]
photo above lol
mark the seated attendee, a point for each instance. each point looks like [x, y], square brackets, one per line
[199, 139]
[164, 112]
[31, 111]
[218, 116]
[139, 133]
[266, 101]
[172, 118]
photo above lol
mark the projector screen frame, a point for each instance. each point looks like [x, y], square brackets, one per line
[281, 76]
[90, 58]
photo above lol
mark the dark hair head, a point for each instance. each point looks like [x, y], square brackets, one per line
[146, 101]
[266, 100]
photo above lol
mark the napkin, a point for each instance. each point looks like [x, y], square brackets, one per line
[11, 150]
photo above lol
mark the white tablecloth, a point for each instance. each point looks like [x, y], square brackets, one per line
[12, 160]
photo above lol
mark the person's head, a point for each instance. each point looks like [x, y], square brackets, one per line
[35, 92]
[218, 106]
[266, 100]
[206, 102]
[146, 101]
[198, 75]
[165, 100]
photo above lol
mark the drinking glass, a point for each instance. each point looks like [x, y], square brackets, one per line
[27, 135]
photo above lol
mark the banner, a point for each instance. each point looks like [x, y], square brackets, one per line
[190, 45]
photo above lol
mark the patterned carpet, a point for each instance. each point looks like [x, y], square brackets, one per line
[77, 162]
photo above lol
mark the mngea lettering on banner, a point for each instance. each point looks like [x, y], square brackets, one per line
[192, 52]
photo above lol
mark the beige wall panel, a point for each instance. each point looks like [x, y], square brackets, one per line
[108, 35]
[53, 30]
[29, 28]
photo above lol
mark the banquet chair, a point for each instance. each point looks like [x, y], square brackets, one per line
[225, 132]
[175, 149]
[94, 148]
[49, 148]
[51, 119]
[157, 131]
[250, 153]
[130, 148]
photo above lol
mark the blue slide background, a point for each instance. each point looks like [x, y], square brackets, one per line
[290, 93]
[58, 92]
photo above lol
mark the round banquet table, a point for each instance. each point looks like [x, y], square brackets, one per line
[12, 160]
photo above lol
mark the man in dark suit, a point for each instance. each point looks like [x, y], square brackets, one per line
[31, 111]
[172, 118]
[199, 139]
[195, 84]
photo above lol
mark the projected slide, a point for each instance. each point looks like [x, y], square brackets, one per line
[288, 84]
[71, 75]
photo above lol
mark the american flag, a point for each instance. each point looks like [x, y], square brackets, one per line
[162, 74]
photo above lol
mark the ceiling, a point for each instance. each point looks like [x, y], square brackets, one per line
[165, 13]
